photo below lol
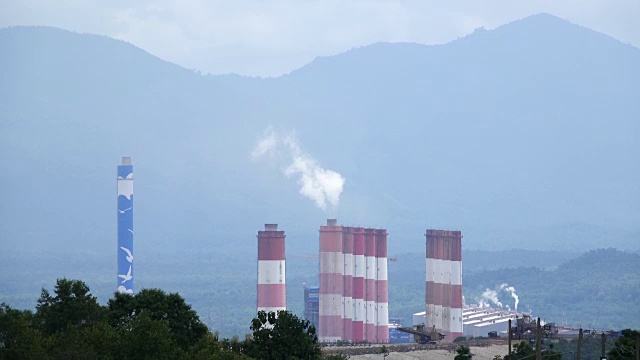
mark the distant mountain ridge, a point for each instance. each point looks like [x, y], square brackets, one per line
[503, 134]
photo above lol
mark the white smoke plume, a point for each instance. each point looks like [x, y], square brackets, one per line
[489, 297]
[266, 145]
[323, 186]
[511, 290]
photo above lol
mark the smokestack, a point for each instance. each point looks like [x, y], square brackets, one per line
[347, 282]
[271, 270]
[125, 226]
[443, 296]
[382, 288]
[370, 292]
[358, 285]
[456, 287]
[331, 307]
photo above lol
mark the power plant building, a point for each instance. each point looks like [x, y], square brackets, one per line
[480, 321]
[353, 299]
[444, 283]
[125, 226]
[311, 302]
[271, 270]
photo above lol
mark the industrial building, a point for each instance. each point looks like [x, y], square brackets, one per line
[311, 302]
[444, 282]
[399, 337]
[353, 288]
[480, 321]
[271, 270]
[125, 227]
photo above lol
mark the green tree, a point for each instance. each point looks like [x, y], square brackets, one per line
[183, 323]
[551, 354]
[624, 347]
[17, 339]
[283, 336]
[520, 351]
[97, 340]
[145, 338]
[463, 353]
[384, 351]
[72, 305]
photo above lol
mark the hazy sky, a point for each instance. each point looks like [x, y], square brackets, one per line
[274, 37]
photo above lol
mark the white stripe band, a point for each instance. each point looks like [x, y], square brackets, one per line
[273, 309]
[456, 320]
[456, 272]
[330, 304]
[271, 272]
[359, 266]
[382, 269]
[371, 268]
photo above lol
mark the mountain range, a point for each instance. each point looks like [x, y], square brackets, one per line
[524, 136]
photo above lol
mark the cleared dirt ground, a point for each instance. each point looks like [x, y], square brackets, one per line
[479, 353]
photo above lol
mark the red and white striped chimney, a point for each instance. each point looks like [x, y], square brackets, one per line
[443, 293]
[382, 288]
[347, 283]
[358, 285]
[456, 287]
[271, 270]
[370, 292]
[331, 305]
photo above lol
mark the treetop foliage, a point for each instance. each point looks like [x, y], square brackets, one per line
[274, 334]
[463, 353]
[151, 324]
[624, 348]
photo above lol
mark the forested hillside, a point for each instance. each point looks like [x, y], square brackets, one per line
[574, 290]
[599, 289]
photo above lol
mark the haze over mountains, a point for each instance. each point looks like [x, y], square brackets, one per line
[525, 136]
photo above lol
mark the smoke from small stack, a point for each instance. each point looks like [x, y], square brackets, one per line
[321, 185]
[511, 290]
[489, 296]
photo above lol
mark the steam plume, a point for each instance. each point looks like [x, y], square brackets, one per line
[511, 290]
[489, 297]
[321, 185]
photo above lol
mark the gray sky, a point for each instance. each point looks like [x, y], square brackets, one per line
[268, 38]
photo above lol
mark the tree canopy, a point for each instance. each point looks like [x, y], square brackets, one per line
[70, 323]
[624, 348]
[274, 334]
[463, 353]
[152, 324]
[181, 321]
[521, 350]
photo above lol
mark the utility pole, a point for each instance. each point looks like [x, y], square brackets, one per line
[509, 331]
[539, 341]
[579, 343]
[604, 350]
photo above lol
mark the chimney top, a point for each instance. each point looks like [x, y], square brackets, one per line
[270, 227]
[332, 222]
[126, 160]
